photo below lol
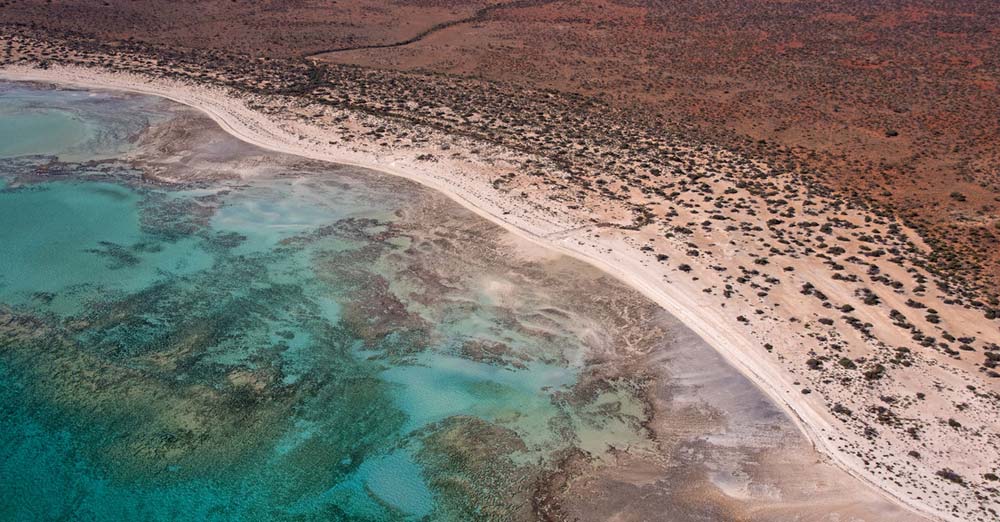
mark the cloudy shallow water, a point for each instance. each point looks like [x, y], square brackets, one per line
[278, 339]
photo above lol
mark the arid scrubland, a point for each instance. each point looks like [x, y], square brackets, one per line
[835, 307]
[881, 100]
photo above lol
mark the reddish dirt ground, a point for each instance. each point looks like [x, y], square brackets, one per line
[893, 101]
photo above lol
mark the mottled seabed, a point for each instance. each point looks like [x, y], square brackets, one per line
[192, 328]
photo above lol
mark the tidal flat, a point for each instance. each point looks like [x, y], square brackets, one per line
[194, 328]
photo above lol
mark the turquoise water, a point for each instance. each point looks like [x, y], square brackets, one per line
[75, 242]
[298, 347]
[81, 125]
[41, 132]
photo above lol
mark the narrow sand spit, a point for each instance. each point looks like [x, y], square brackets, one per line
[465, 176]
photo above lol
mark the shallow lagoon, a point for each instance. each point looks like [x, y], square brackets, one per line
[295, 346]
[193, 328]
[81, 126]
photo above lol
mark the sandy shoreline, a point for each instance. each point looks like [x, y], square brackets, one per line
[699, 311]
